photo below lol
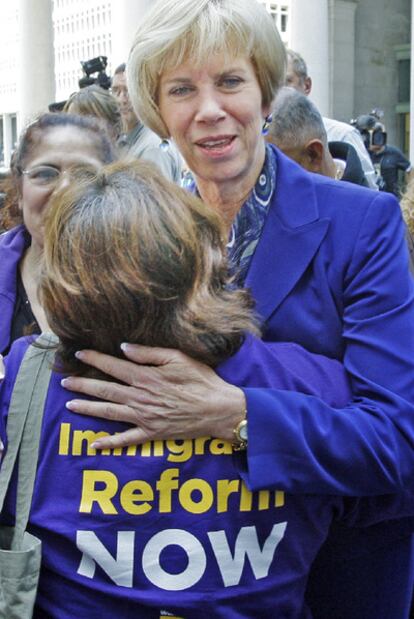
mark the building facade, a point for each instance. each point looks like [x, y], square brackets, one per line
[357, 51]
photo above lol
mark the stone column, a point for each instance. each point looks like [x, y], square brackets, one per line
[309, 35]
[343, 59]
[126, 15]
[412, 86]
[36, 77]
[7, 139]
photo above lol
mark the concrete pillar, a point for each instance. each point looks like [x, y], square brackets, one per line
[7, 138]
[126, 15]
[343, 59]
[310, 37]
[412, 86]
[36, 77]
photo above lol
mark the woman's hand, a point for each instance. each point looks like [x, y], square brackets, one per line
[166, 395]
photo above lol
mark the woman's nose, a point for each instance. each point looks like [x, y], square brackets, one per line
[210, 109]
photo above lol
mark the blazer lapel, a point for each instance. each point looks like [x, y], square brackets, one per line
[291, 236]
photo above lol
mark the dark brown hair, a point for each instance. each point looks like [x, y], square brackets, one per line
[10, 214]
[130, 257]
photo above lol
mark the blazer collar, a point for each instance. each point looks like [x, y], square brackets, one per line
[290, 238]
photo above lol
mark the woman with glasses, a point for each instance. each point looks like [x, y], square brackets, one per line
[48, 150]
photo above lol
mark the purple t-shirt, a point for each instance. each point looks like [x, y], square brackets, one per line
[166, 529]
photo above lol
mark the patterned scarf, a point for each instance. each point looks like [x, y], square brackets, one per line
[248, 224]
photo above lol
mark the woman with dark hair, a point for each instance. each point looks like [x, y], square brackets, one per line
[169, 528]
[48, 150]
[327, 266]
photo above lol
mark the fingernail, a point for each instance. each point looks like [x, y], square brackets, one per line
[95, 446]
[79, 354]
[124, 346]
[64, 382]
[69, 405]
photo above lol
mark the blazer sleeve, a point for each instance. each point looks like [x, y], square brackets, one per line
[302, 444]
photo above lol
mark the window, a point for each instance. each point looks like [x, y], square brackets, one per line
[404, 80]
[280, 15]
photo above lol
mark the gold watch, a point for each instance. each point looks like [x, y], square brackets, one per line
[240, 436]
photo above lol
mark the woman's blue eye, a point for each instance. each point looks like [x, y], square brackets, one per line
[180, 90]
[230, 82]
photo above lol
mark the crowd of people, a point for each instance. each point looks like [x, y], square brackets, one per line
[229, 423]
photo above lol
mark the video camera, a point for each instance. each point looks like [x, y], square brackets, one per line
[92, 66]
[371, 129]
[89, 68]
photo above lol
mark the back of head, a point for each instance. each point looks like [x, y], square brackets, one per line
[175, 31]
[121, 68]
[297, 63]
[295, 120]
[131, 257]
[96, 101]
[31, 138]
[297, 73]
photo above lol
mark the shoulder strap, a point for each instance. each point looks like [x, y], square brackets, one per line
[24, 425]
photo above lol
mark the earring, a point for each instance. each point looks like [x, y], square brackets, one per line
[266, 124]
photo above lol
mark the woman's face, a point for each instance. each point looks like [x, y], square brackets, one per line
[60, 148]
[215, 116]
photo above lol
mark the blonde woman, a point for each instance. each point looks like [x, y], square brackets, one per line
[328, 269]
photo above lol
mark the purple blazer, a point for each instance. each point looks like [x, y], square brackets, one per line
[12, 246]
[330, 273]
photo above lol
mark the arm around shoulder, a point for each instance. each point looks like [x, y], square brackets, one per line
[300, 443]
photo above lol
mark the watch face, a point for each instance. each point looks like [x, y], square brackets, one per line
[243, 431]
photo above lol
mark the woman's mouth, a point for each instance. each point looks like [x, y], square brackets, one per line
[219, 145]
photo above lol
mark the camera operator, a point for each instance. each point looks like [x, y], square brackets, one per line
[387, 160]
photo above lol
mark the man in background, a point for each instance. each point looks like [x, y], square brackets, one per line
[138, 140]
[297, 77]
[297, 128]
[389, 161]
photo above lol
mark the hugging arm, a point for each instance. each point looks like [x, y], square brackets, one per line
[367, 447]
[168, 394]
[297, 441]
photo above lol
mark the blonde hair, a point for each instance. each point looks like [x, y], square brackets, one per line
[96, 101]
[129, 256]
[174, 31]
[407, 206]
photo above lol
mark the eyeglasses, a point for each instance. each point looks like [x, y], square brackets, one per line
[43, 175]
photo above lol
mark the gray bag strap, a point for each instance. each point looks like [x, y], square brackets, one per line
[23, 428]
